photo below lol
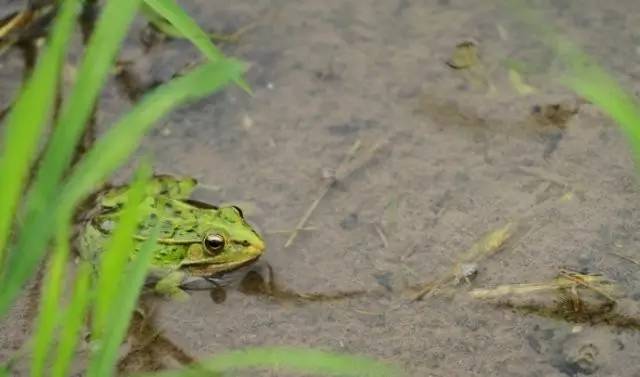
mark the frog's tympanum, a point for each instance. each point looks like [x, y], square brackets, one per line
[197, 241]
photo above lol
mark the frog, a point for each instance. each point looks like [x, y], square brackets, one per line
[198, 242]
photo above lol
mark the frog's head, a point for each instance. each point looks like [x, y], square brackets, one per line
[228, 242]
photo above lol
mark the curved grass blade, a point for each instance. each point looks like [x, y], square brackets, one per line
[188, 28]
[114, 147]
[104, 43]
[103, 359]
[584, 75]
[109, 152]
[116, 256]
[41, 203]
[74, 320]
[289, 359]
[27, 118]
[48, 317]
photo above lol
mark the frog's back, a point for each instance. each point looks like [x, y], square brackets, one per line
[164, 204]
[159, 186]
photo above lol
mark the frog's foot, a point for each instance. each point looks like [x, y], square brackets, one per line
[170, 286]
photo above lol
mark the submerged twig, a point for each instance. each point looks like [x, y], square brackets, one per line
[628, 259]
[347, 167]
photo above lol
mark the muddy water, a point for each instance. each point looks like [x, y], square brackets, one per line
[463, 156]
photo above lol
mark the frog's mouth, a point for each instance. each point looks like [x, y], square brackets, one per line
[206, 269]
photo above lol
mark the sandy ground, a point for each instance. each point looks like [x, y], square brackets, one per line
[462, 158]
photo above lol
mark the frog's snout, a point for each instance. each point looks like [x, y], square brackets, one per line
[256, 248]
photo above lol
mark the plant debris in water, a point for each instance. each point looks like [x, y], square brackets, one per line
[465, 267]
[574, 297]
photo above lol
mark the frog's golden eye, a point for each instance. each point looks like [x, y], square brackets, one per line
[213, 243]
[238, 210]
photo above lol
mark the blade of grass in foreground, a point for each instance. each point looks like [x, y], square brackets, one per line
[104, 357]
[74, 321]
[289, 359]
[104, 43]
[109, 152]
[27, 118]
[48, 318]
[585, 76]
[117, 253]
[189, 29]
[41, 203]
[115, 146]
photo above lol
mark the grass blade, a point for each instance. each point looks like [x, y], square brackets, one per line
[115, 146]
[109, 32]
[41, 204]
[584, 75]
[27, 118]
[289, 359]
[48, 318]
[74, 320]
[188, 28]
[118, 250]
[104, 358]
[109, 152]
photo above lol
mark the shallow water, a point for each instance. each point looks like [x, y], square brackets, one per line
[461, 160]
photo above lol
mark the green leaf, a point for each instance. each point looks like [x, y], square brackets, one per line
[116, 256]
[48, 317]
[26, 120]
[583, 74]
[104, 357]
[104, 43]
[188, 28]
[114, 147]
[288, 359]
[41, 202]
[74, 321]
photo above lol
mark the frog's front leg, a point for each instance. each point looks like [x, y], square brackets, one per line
[170, 286]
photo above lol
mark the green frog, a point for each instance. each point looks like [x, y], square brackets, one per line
[198, 242]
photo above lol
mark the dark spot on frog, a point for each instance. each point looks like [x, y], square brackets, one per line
[351, 127]
[350, 221]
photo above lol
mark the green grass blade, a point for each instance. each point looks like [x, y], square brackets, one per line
[109, 152]
[74, 321]
[584, 75]
[159, 22]
[41, 203]
[27, 118]
[115, 146]
[48, 318]
[289, 359]
[104, 358]
[116, 256]
[188, 28]
[104, 43]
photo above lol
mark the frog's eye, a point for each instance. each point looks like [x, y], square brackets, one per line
[238, 210]
[213, 243]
